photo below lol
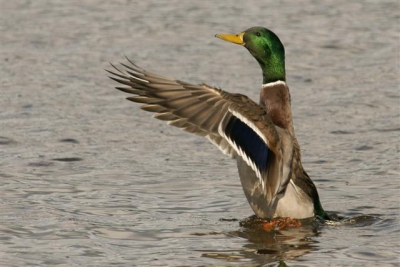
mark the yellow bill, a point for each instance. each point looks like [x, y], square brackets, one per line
[232, 38]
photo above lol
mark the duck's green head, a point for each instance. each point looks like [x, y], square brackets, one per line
[265, 47]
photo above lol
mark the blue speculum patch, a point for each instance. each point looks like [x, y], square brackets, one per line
[249, 141]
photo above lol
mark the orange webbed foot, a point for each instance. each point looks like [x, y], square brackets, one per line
[281, 224]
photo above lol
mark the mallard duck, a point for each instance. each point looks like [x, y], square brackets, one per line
[259, 136]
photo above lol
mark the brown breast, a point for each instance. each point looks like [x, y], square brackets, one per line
[275, 98]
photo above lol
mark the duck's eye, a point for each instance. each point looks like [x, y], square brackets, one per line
[258, 34]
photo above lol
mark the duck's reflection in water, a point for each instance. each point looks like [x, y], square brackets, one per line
[270, 246]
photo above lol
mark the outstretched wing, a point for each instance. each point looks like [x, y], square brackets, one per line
[195, 109]
[235, 124]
